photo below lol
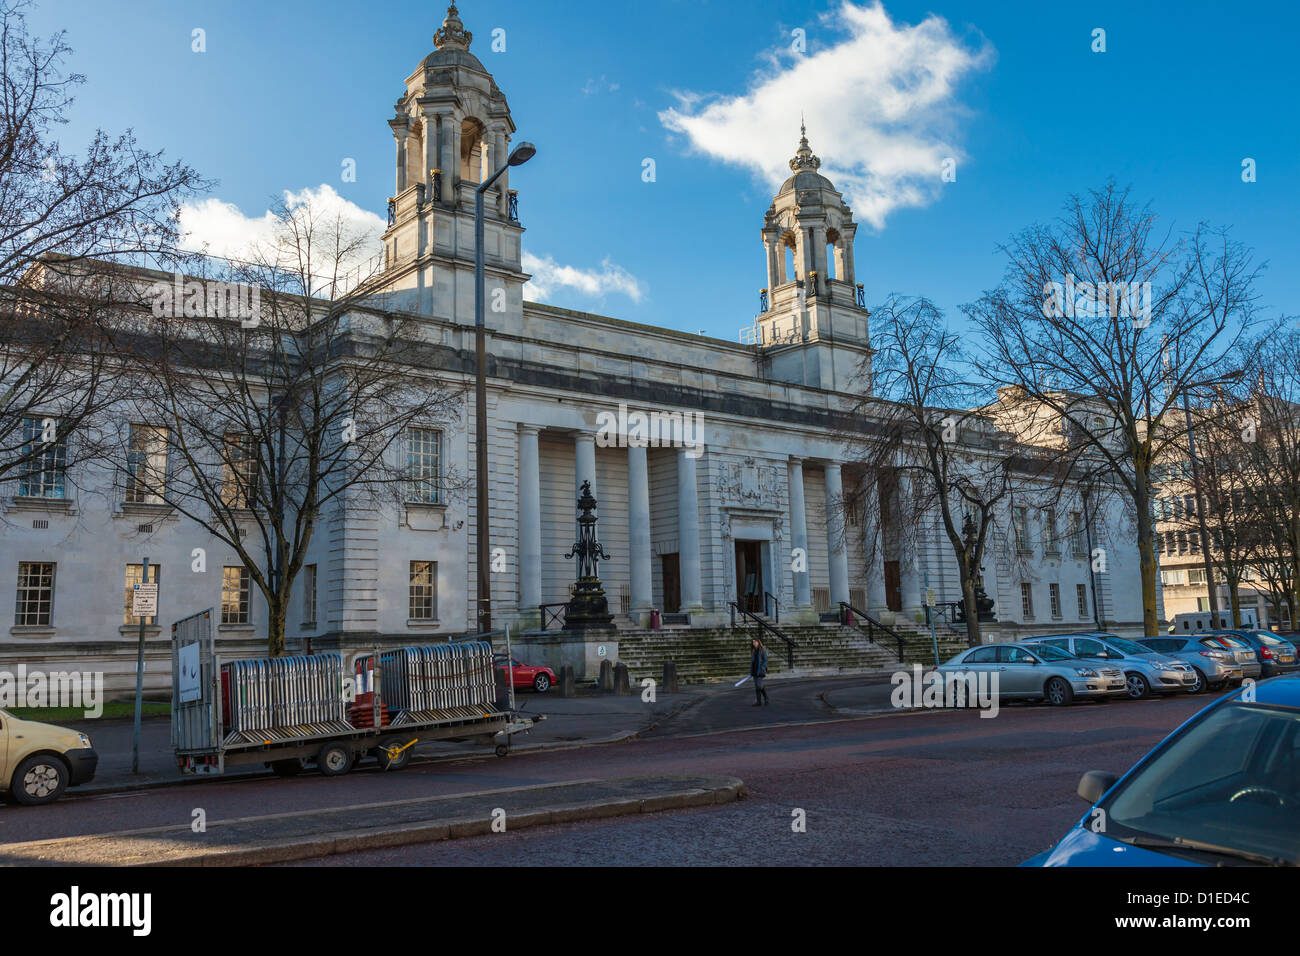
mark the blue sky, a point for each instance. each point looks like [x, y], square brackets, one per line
[289, 89]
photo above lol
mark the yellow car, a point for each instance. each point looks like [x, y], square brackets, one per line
[39, 761]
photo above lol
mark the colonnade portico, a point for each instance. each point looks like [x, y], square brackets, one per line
[787, 569]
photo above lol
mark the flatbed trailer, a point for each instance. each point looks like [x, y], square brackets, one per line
[210, 733]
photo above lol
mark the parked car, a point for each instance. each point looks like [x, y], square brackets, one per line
[1216, 666]
[1145, 671]
[38, 762]
[539, 677]
[1039, 673]
[1276, 655]
[1241, 651]
[1222, 789]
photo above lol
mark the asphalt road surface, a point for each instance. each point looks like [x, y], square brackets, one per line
[947, 788]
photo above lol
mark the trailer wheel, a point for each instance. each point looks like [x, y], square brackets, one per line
[334, 760]
[502, 750]
[398, 746]
[286, 768]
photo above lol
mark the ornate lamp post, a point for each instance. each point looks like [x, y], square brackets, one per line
[589, 607]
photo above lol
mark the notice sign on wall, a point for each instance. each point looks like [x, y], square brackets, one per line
[144, 600]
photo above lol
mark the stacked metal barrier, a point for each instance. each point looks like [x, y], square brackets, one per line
[269, 693]
[438, 678]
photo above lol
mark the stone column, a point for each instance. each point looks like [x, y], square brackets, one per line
[688, 532]
[584, 457]
[836, 546]
[431, 161]
[799, 540]
[909, 534]
[449, 159]
[773, 265]
[530, 528]
[874, 546]
[400, 136]
[638, 519]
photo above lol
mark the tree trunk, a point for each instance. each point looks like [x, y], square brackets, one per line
[277, 612]
[973, 636]
[1146, 551]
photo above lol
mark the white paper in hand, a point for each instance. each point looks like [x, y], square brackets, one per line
[741, 681]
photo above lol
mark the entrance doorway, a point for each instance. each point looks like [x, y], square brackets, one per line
[749, 575]
[671, 569]
[893, 586]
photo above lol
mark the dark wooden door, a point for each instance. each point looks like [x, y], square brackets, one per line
[672, 583]
[893, 586]
[749, 576]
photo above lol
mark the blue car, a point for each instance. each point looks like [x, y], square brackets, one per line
[1221, 790]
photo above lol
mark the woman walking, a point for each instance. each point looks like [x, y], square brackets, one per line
[758, 671]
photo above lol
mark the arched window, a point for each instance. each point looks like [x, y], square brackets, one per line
[833, 262]
[472, 150]
[791, 265]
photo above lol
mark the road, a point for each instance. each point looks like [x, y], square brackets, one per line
[921, 788]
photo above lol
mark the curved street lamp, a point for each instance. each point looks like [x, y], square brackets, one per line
[518, 156]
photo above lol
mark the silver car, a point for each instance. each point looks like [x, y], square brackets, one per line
[1216, 666]
[1026, 672]
[1145, 671]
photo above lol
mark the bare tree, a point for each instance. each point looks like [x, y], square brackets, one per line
[277, 411]
[914, 420]
[1107, 325]
[67, 224]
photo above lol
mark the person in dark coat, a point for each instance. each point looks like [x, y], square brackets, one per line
[758, 671]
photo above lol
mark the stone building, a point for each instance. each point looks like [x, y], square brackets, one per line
[718, 466]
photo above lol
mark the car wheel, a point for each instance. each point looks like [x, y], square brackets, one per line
[1137, 686]
[393, 754]
[1059, 692]
[1200, 685]
[334, 760]
[40, 779]
[542, 684]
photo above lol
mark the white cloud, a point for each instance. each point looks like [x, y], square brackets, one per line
[549, 275]
[880, 104]
[221, 229]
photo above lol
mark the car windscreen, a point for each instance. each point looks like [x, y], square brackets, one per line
[1128, 647]
[1049, 653]
[1230, 780]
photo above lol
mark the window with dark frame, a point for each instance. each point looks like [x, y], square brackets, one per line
[235, 595]
[1027, 600]
[309, 594]
[35, 604]
[42, 475]
[424, 591]
[1081, 593]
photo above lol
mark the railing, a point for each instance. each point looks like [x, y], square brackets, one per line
[775, 601]
[764, 625]
[846, 610]
[551, 616]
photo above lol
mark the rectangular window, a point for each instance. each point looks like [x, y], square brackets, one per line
[234, 595]
[238, 471]
[42, 474]
[1054, 591]
[424, 591]
[35, 607]
[1076, 533]
[309, 594]
[1020, 524]
[146, 465]
[1027, 600]
[1081, 595]
[1050, 542]
[133, 577]
[423, 461]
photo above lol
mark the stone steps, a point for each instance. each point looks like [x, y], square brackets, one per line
[710, 654]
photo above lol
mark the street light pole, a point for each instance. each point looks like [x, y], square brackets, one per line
[520, 155]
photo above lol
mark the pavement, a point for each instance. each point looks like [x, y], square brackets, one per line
[286, 837]
[570, 722]
[584, 721]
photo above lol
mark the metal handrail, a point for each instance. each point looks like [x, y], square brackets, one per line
[872, 626]
[790, 645]
[776, 603]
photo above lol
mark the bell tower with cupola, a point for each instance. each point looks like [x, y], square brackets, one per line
[813, 326]
[452, 129]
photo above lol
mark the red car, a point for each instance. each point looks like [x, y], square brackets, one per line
[540, 678]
